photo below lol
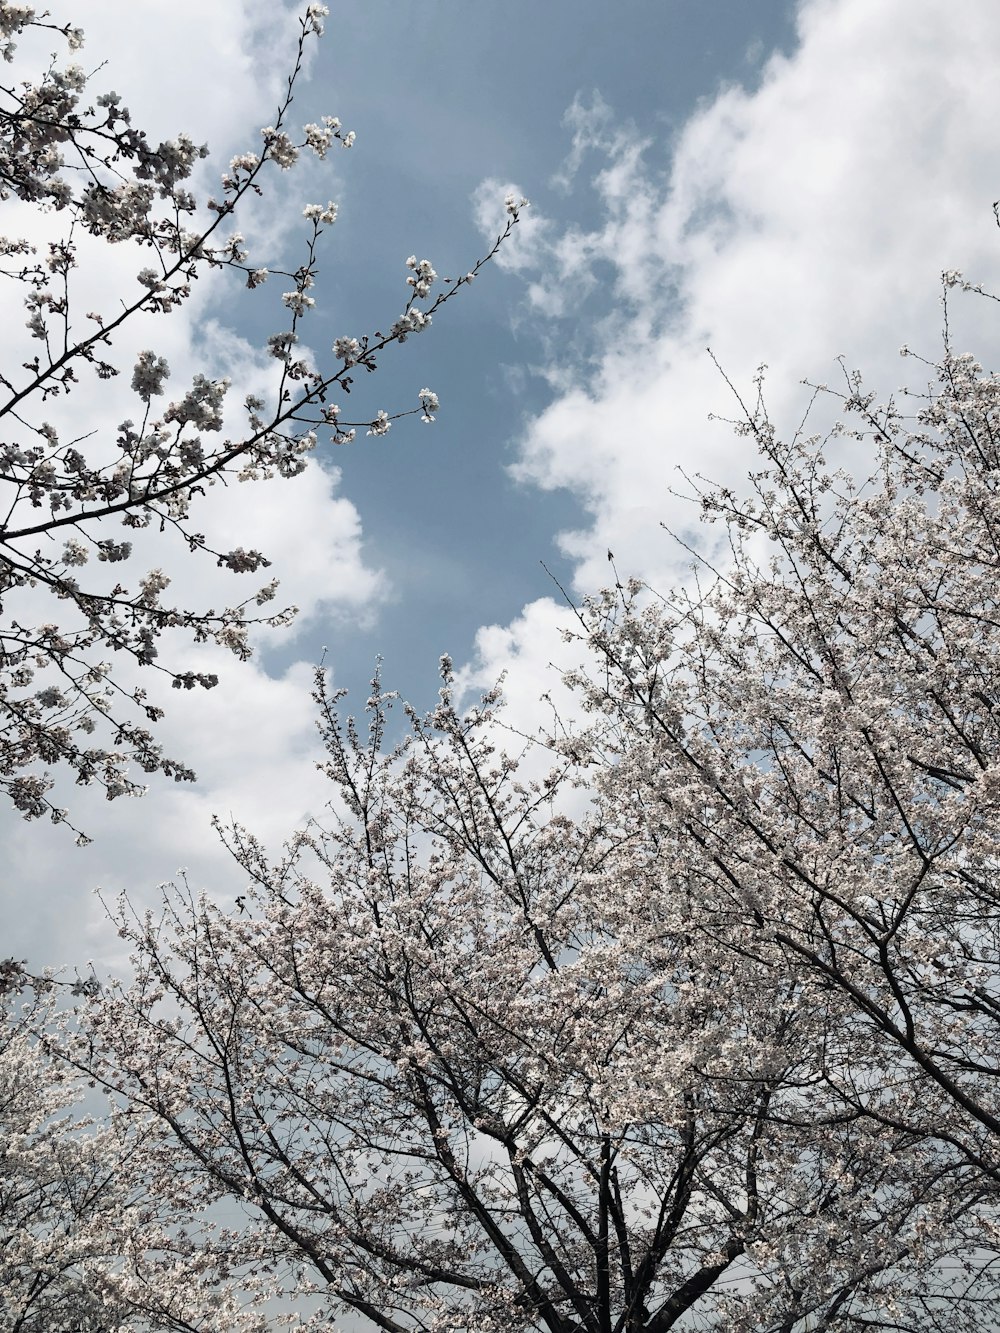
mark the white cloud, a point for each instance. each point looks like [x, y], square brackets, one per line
[807, 219]
[530, 654]
[214, 70]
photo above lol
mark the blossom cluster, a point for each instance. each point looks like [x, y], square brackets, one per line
[320, 137]
[423, 276]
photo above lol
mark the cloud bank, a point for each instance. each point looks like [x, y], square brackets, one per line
[808, 218]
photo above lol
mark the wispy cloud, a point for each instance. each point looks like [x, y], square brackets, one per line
[804, 219]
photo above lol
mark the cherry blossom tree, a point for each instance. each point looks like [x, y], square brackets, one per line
[68, 672]
[811, 731]
[53, 1184]
[82, 1247]
[696, 1029]
[468, 1061]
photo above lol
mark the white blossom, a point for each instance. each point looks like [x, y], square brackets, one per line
[315, 13]
[317, 213]
[75, 552]
[298, 302]
[346, 350]
[320, 137]
[149, 375]
[423, 277]
[410, 321]
[244, 162]
[201, 406]
[279, 147]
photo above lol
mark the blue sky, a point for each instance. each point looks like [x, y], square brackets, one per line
[782, 181]
[443, 96]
